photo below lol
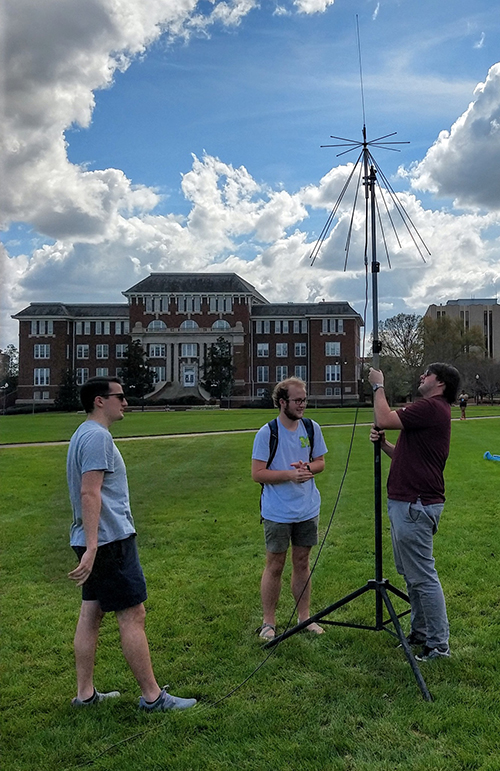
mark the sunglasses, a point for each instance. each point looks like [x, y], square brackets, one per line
[121, 396]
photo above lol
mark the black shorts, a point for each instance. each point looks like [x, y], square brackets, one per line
[117, 581]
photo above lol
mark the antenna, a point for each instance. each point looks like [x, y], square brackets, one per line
[368, 170]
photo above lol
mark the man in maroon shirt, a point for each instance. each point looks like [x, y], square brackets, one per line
[415, 490]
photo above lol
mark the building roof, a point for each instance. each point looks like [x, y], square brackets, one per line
[72, 311]
[473, 302]
[299, 310]
[194, 283]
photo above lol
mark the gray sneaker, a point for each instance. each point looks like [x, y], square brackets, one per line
[96, 699]
[165, 702]
[428, 654]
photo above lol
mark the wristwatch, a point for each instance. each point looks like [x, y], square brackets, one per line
[376, 386]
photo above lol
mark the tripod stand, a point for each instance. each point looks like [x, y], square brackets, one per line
[381, 586]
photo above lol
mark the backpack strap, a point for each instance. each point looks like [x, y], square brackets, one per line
[310, 433]
[273, 440]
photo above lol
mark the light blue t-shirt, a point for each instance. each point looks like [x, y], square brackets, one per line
[92, 449]
[289, 501]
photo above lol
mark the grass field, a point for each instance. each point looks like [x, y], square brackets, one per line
[346, 701]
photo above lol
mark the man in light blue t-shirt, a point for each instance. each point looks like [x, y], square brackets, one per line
[103, 537]
[290, 501]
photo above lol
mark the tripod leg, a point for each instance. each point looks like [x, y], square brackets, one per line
[404, 642]
[318, 616]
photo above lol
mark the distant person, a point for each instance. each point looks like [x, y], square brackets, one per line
[104, 539]
[290, 501]
[415, 489]
[462, 401]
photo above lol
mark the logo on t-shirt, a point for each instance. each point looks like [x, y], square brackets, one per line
[304, 441]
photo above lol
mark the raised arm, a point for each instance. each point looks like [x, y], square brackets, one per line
[384, 416]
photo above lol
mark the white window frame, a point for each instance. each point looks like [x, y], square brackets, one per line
[301, 371]
[332, 373]
[281, 350]
[102, 372]
[300, 350]
[82, 375]
[41, 376]
[121, 350]
[102, 351]
[281, 372]
[82, 351]
[189, 350]
[263, 374]
[332, 349]
[156, 350]
[41, 351]
[262, 350]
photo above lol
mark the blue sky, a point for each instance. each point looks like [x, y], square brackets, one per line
[186, 136]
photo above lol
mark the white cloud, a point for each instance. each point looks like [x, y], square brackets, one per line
[312, 6]
[463, 163]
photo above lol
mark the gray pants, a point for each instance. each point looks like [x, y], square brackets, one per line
[412, 529]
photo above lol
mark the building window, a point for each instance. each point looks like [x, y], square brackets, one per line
[328, 391]
[332, 373]
[337, 391]
[106, 327]
[86, 328]
[221, 324]
[281, 327]
[301, 371]
[335, 326]
[122, 327]
[41, 376]
[189, 350]
[102, 372]
[261, 393]
[332, 349]
[159, 373]
[78, 328]
[262, 349]
[156, 351]
[121, 350]
[281, 373]
[42, 327]
[263, 327]
[41, 351]
[281, 349]
[82, 375]
[189, 377]
[189, 324]
[98, 327]
[188, 304]
[153, 304]
[101, 351]
[156, 326]
[300, 326]
[221, 304]
[82, 351]
[300, 349]
[262, 374]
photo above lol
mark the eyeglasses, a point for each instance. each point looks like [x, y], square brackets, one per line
[427, 373]
[298, 402]
[121, 396]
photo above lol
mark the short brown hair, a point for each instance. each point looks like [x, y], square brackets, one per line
[281, 389]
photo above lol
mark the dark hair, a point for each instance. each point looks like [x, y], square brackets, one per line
[281, 389]
[448, 375]
[95, 386]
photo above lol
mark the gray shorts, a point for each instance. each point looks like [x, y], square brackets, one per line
[279, 534]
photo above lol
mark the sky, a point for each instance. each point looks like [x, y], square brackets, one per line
[185, 135]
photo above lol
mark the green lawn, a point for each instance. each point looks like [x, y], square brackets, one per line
[347, 700]
[58, 426]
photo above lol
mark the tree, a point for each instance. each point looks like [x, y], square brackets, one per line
[138, 378]
[68, 396]
[218, 370]
[447, 339]
[401, 338]
[10, 375]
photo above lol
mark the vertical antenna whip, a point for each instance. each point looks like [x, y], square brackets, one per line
[360, 71]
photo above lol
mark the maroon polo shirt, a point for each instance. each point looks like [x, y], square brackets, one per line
[421, 452]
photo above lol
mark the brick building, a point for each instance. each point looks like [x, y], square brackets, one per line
[177, 317]
[483, 314]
